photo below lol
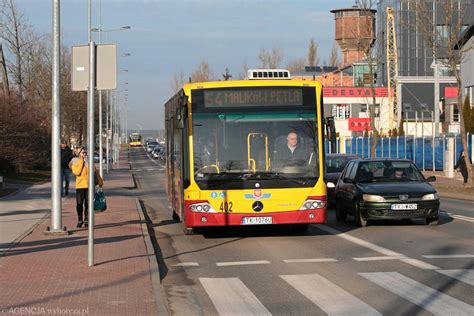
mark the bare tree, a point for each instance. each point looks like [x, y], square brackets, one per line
[333, 56]
[443, 37]
[313, 59]
[179, 79]
[242, 75]
[202, 73]
[270, 60]
[296, 65]
[13, 29]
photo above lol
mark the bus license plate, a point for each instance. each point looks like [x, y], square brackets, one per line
[256, 220]
[404, 206]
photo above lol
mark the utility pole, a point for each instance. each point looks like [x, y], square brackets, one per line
[90, 136]
[56, 186]
[101, 155]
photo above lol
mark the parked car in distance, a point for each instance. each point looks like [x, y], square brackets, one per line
[385, 189]
[150, 146]
[335, 163]
[156, 152]
[148, 139]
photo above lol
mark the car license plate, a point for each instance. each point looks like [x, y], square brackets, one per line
[256, 220]
[404, 206]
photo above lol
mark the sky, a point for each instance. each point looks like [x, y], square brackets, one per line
[172, 36]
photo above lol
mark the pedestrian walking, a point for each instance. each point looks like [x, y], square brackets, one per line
[461, 165]
[80, 169]
[66, 157]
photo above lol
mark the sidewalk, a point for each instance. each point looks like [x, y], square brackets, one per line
[50, 275]
[451, 187]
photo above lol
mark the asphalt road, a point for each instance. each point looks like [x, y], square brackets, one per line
[402, 267]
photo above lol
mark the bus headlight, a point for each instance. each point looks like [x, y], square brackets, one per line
[430, 197]
[312, 205]
[373, 198]
[202, 207]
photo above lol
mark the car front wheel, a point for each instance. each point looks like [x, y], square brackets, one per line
[341, 213]
[361, 222]
[432, 221]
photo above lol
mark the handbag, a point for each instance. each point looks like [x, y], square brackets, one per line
[100, 202]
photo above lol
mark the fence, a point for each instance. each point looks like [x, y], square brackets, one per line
[428, 153]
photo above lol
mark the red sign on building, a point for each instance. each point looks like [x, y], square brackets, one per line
[451, 92]
[354, 92]
[359, 124]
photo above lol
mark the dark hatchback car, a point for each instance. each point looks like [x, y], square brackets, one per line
[335, 163]
[385, 189]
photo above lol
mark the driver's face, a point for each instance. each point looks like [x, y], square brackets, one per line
[292, 139]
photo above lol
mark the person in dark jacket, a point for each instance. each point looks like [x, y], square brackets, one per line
[292, 150]
[66, 157]
[461, 164]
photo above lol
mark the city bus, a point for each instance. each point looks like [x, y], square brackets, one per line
[229, 162]
[135, 140]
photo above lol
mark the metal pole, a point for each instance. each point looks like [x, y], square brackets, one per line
[433, 140]
[436, 95]
[423, 140]
[107, 127]
[101, 155]
[56, 185]
[91, 139]
[397, 145]
[414, 137]
[381, 138]
[389, 147]
[406, 132]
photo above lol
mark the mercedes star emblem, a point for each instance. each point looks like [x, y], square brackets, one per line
[257, 206]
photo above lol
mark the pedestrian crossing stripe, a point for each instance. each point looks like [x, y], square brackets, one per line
[463, 275]
[430, 299]
[328, 296]
[231, 296]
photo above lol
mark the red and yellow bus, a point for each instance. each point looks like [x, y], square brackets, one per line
[246, 152]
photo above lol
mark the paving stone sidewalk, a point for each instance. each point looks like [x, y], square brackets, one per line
[50, 275]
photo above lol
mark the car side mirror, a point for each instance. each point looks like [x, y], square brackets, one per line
[431, 179]
[330, 185]
[348, 180]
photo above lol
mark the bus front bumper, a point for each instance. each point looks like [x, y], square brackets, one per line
[202, 219]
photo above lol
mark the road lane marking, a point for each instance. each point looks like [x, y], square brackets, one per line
[379, 249]
[241, 263]
[460, 217]
[309, 260]
[419, 264]
[328, 296]
[419, 294]
[138, 170]
[463, 275]
[186, 264]
[150, 169]
[448, 256]
[360, 242]
[230, 296]
[377, 258]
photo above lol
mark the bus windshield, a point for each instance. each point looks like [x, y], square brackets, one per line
[245, 145]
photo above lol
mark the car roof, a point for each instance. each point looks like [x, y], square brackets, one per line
[342, 155]
[382, 159]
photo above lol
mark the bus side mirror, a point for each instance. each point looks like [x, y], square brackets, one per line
[179, 118]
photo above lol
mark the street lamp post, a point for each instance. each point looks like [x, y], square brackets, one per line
[100, 30]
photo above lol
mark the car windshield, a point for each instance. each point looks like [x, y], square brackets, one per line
[336, 164]
[388, 171]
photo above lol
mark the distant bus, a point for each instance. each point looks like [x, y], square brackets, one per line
[135, 140]
[226, 160]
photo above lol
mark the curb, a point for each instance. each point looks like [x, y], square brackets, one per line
[158, 292]
[22, 236]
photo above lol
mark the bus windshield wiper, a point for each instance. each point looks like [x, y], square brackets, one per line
[277, 175]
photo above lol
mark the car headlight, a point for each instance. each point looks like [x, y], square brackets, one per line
[430, 197]
[373, 198]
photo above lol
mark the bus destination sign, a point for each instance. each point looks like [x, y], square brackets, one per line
[253, 97]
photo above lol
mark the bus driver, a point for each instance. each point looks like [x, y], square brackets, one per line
[293, 150]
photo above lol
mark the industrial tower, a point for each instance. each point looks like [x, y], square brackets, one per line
[392, 66]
